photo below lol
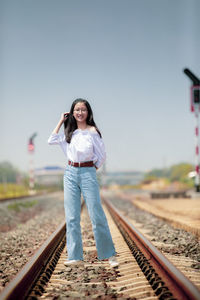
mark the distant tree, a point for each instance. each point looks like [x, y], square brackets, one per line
[156, 173]
[8, 173]
[178, 172]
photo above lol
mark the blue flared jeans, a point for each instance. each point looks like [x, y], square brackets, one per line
[84, 180]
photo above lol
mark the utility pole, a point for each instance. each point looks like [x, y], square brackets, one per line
[195, 107]
[31, 149]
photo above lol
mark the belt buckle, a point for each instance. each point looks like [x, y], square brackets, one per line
[79, 164]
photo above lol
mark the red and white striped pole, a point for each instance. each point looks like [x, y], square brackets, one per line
[197, 177]
[31, 162]
[31, 173]
[195, 107]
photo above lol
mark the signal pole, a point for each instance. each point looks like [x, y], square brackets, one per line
[31, 148]
[195, 107]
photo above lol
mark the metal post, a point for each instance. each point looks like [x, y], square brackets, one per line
[197, 176]
[31, 173]
[195, 107]
[31, 163]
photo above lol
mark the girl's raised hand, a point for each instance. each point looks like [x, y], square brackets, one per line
[64, 116]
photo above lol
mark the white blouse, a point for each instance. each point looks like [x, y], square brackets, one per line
[85, 145]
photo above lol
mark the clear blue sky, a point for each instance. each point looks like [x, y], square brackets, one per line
[124, 56]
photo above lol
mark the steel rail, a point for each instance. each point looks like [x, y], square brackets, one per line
[25, 279]
[20, 286]
[2, 200]
[179, 285]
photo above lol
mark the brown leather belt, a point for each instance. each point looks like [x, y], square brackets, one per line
[81, 164]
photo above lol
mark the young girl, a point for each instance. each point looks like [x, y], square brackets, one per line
[82, 143]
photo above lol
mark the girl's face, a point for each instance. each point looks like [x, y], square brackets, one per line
[80, 112]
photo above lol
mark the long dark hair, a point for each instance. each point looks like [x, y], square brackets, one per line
[70, 124]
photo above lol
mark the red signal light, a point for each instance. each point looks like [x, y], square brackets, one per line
[195, 97]
[30, 147]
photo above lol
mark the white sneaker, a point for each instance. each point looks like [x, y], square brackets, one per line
[113, 261]
[73, 262]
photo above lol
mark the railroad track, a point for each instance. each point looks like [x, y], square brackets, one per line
[144, 273]
[24, 197]
[168, 194]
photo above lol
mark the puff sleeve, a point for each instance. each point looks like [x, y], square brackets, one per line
[55, 139]
[58, 139]
[99, 150]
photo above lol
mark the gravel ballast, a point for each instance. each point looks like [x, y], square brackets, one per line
[24, 226]
[172, 240]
